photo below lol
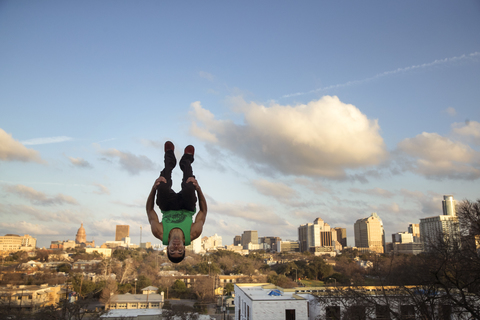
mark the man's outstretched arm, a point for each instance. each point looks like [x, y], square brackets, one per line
[157, 227]
[197, 226]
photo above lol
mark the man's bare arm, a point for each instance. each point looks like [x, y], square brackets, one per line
[197, 226]
[157, 227]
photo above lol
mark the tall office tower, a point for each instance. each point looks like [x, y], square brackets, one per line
[316, 234]
[440, 228]
[270, 241]
[448, 205]
[237, 240]
[122, 231]
[369, 233]
[414, 229]
[341, 236]
[249, 237]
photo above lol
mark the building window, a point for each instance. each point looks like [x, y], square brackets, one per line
[290, 314]
[407, 312]
[332, 313]
[445, 312]
[356, 313]
[382, 312]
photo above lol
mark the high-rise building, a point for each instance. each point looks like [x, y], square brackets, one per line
[237, 240]
[448, 205]
[122, 231]
[316, 234]
[414, 229]
[369, 233]
[402, 237]
[250, 236]
[14, 242]
[270, 243]
[440, 228]
[341, 236]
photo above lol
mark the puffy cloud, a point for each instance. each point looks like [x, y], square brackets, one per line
[321, 138]
[12, 150]
[468, 129]
[430, 203]
[131, 163]
[374, 192]
[79, 162]
[101, 189]
[252, 213]
[438, 157]
[22, 227]
[450, 111]
[63, 216]
[40, 198]
[277, 190]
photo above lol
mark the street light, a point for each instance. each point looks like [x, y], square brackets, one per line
[135, 286]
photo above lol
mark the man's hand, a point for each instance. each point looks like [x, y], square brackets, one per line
[195, 183]
[157, 182]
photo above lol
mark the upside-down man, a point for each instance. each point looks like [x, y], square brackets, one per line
[177, 228]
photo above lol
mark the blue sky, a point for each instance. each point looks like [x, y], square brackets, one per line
[297, 111]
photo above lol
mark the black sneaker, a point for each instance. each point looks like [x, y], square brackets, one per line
[189, 150]
[169, 146]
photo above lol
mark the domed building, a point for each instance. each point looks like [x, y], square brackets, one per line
[81, 238]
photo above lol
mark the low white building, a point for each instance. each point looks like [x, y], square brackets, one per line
[266, 301]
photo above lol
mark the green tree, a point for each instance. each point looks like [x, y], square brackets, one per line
[229, 288]
[179, 287]
[143, 282]
[64, 267]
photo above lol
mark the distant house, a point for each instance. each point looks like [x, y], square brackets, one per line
[149, 299]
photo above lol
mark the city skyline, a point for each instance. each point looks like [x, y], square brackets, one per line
[296, 111]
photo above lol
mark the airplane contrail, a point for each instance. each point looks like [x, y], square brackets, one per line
[386, 73]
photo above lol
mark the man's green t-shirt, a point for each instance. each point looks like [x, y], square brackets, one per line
[181, 219]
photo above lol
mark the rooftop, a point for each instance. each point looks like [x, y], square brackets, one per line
[267, 291]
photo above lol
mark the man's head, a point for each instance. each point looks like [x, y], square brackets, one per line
[176, 246]
[175, 256]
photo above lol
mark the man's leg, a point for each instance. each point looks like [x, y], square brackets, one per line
[187, 194]
[165, 195]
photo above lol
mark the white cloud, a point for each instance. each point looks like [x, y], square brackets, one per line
[131, 163]
[374, 192]
[322, 138]
[79, 162]
[206, 75]
[22, 227]
[251, 213]
[450, 111]
[438, 157]
[468, 129]
[430, 203]
[40, 198]
[12, 150]
[101, 189]
[63, 216]
[277, 190]
[47, 140]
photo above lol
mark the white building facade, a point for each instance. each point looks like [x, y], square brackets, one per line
[264, 301]
[444, 227]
